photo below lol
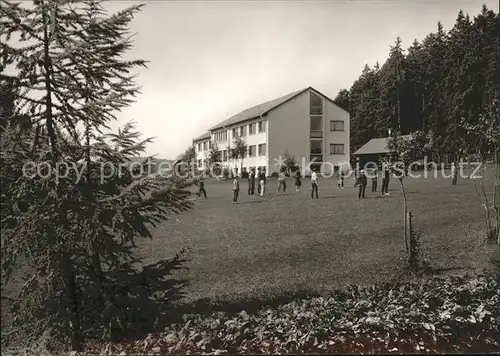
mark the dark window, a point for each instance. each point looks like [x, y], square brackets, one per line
[336, 148]
[316, 158]
[262, 149]
[262, 126]
[316, 123]
[316, 147]
[316, 107]
[336, 125]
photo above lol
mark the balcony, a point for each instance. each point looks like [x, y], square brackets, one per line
[316, 133]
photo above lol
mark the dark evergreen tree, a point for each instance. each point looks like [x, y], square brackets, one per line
[74, 222]
[342, 99]
[439, 83]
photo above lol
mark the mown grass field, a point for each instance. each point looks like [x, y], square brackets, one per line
[286, 243]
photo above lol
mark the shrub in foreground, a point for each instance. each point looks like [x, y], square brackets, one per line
[436, 315]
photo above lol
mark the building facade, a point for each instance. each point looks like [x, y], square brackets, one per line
[305, 124]
[202, 146]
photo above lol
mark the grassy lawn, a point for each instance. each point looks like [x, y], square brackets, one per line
[286, 244]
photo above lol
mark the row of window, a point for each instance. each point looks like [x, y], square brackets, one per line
[335, 148]
[252, 129]
[252, 150]
[242, 130]
[220, 136]
[316, 131]
[317, 124]
[316, 151]
[204, 146]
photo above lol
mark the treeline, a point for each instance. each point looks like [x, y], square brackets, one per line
[439, 86]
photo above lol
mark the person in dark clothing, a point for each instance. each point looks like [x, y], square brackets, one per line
[251, 183]
[257, 177]
[454, 173]
[362, 182]
[374, 180]
[340, 179]
[385, 179]
[262, 182]
[201, 188]
[298, 181]
[236, 189]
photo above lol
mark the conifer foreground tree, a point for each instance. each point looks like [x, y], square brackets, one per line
[72, 206]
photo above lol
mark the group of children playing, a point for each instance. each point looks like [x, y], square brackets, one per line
[260, 178]
[361, 181]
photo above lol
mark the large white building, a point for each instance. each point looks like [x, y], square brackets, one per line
[305, 123]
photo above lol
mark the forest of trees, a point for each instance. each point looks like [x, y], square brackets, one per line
[438, 86]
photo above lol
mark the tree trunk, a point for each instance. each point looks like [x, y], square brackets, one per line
[47, 64]
[71, 302]
[405, 209]
[66, 267]
[496, 200]
[411, 244]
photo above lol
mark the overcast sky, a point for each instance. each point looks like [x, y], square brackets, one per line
[212, 59]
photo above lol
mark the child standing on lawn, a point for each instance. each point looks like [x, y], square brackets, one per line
[340, 179]
[201, 186]
[454, 173]
[257, 177]
[251, 183]
[362, 181]
[385, 178]
[281, 182]
[298, 182]
[236, 189]
[374, 180]
[314, 185]
[262, 182]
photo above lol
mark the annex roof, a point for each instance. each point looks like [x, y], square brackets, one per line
[375, 146]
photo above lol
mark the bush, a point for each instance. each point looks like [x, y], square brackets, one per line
[436, 315]
[274, 175]
[225, 173]
[244, 174]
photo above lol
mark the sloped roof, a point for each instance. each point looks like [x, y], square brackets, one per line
[205, 136]
[376, 146]
[258, 110]
[155, 160]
